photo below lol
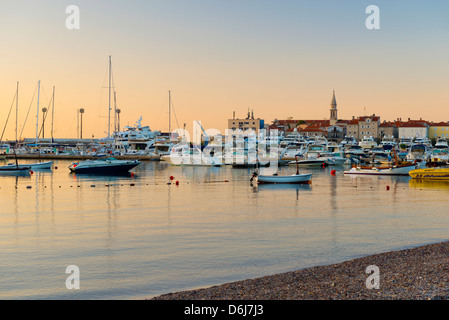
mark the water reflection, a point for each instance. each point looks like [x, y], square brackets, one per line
[426, 184]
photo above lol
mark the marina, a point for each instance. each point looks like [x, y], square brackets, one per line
[161, 150]
[158, 227]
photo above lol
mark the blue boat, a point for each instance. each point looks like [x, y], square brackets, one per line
[104, 166]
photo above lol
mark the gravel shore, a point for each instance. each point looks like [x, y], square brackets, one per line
[414, 274]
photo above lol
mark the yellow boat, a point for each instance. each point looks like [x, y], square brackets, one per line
[430, 174]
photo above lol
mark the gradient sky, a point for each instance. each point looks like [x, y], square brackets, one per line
[280, 58]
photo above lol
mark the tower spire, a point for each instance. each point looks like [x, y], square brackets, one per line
[333, 115]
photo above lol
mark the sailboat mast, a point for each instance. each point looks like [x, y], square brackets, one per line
[17, 107]
[37, 114]
[115, 113]
[109, 116]
[52, 113]
[169, 112]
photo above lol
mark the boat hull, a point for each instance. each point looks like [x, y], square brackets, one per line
[293, 179]
[388, 171]
[14, 170]
[430, 174]
[104, 168]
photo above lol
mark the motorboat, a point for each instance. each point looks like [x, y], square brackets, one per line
[367, 143]
[292, 150]
[430, 174]
[104, 166]
[388, 143]
[310, 160]
[397, 168]
[405, 143]
[441, 143]
[348, 142]
[183, 155]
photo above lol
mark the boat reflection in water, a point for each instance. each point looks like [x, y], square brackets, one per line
[429, 184]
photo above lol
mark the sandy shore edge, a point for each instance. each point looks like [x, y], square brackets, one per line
[420, 273]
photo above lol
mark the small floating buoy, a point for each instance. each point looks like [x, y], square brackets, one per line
[388, 187]
[56, 167]
[171, 177]
[333, 172]
[31, 172]
[177, 183]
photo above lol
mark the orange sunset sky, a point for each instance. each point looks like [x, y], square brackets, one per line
[279, 58]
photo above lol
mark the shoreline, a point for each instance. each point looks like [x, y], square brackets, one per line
[420, 273]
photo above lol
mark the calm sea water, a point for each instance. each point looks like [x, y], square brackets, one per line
[137, 237]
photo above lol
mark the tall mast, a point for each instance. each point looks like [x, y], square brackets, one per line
[169, 112]
[52, 113]
[109, 117]
[115, 113]
[37, 114]
[17, 106]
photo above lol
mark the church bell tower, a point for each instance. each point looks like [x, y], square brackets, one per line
[333, 118]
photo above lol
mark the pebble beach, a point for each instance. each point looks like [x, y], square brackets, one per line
[420, 273]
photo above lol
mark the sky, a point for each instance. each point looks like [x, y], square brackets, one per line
[279, 58]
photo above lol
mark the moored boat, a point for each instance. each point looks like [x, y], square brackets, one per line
[430, 174]
[103, 166]
[396, 169]
[401, 170]
[14, 170]
[291, 179]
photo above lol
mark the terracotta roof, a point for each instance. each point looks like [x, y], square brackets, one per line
[439, 124]
[387, 124]
[312, 129]
[411, 125]
[373, 118]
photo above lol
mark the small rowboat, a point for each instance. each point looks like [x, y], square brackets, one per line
[34, 166]
[430, 174]
[275, 179]
[292, 179]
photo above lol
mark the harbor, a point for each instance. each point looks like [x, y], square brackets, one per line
[224, 150]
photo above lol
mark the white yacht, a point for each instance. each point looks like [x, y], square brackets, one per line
[388, 143]
[136, 139]
[441, 143]
[405, 143]
[293, 150]
[348, 142]
[367, 143]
